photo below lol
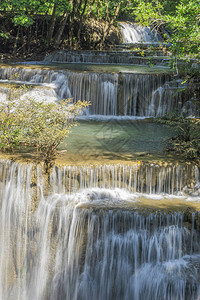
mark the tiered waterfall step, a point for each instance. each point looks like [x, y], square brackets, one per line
[134, 57]
[136, 92]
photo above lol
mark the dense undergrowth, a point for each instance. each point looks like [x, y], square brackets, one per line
[187, 138]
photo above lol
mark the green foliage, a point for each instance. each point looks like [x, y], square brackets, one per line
[3, 35]
[39, 124]
[23, 20]
[186, 28]
[187, 139]
[181, 19]
[149, 12]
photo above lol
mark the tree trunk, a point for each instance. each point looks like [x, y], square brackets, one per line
[82, 17]
[108, 26]
[16, 41]
[61, 29]
[74, 4]
[52, 25]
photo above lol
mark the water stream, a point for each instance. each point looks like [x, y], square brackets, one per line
[95, 243]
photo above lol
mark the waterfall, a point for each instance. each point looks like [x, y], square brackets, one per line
[15, 195]
[92, 244]
[111, 94]
[132, 33]
[149, 179]
[103, 57]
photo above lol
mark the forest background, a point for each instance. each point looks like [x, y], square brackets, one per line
[30, 27]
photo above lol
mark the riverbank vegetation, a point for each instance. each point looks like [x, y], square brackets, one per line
[179, 19]
[187, 138]
[36, 123]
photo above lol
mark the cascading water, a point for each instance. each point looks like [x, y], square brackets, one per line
[132, 33]
[150, 179]
[103, 57]
[142, 95]
[93, 244]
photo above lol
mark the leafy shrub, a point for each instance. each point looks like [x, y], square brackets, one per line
[36, 123]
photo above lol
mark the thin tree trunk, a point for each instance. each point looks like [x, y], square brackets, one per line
[80, 21]
[108, 26]
[61, 29]
[16, 41]
[72, 15]
[23, 39]
[52, 25]
[29, 39]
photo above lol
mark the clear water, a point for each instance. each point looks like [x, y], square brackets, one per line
[111, 138]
